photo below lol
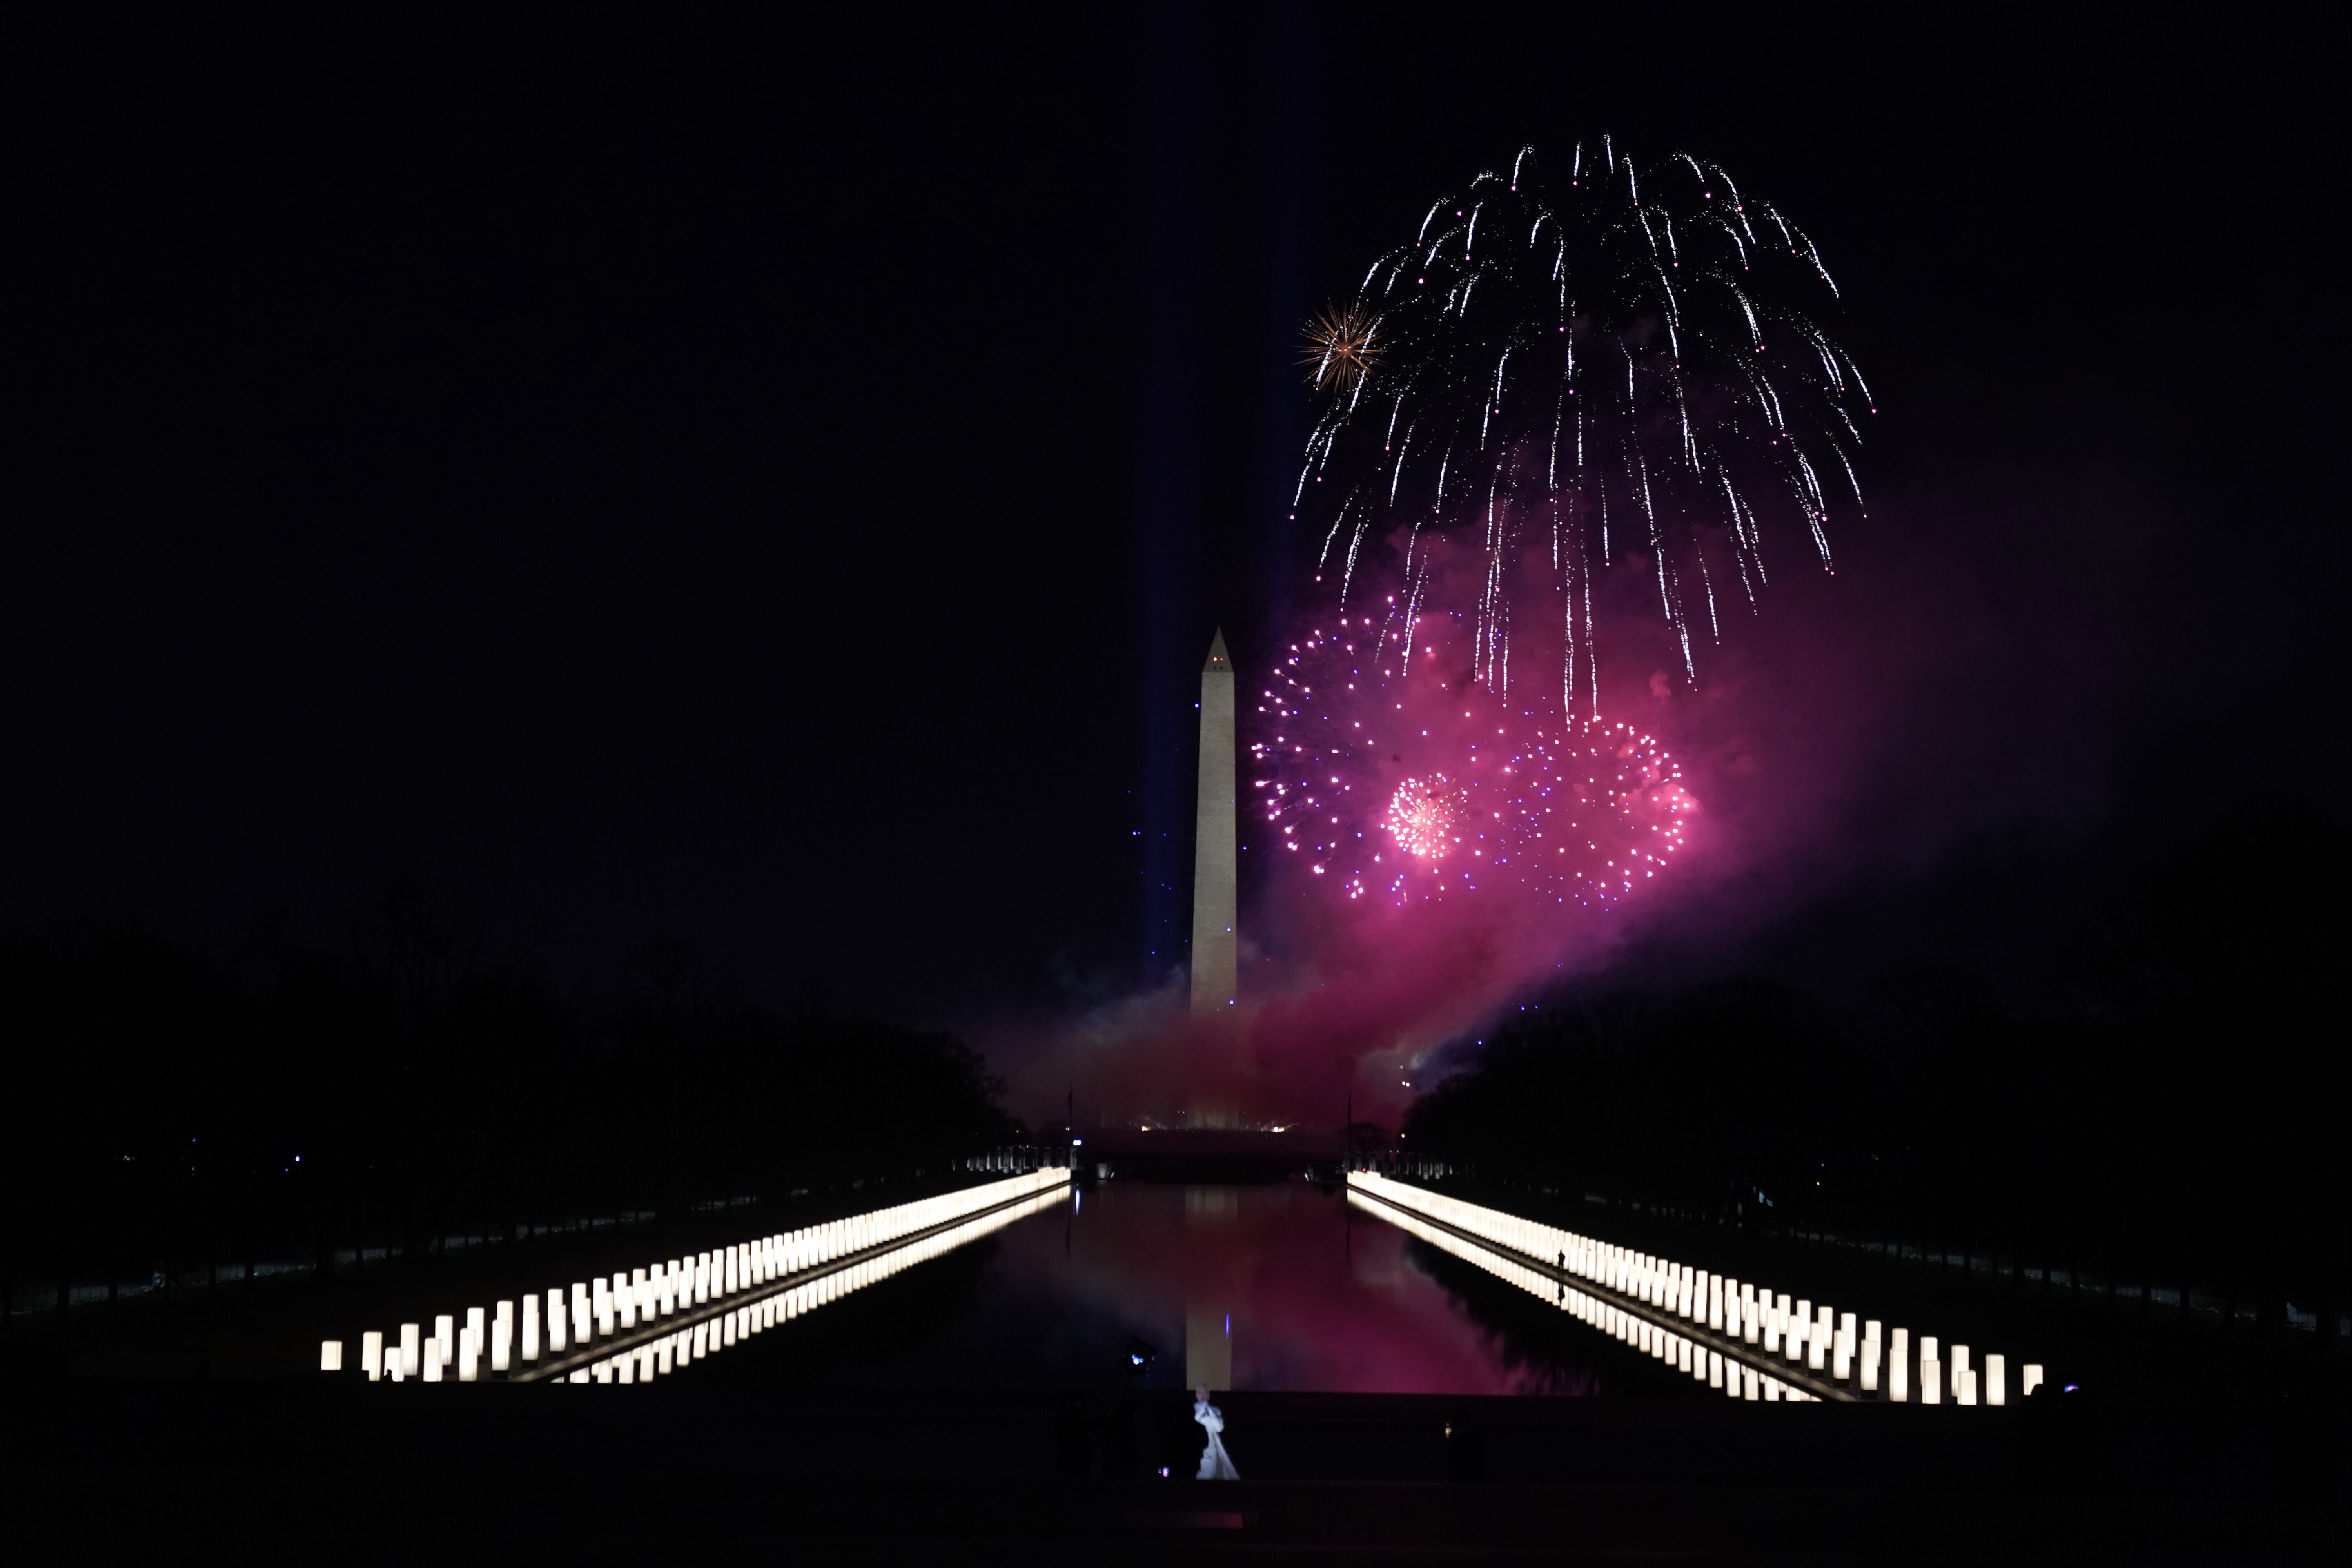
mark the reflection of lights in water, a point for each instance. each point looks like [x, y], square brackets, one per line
[1663, 1344]
[675, 1350]
[776, 1279]
[1731, 1315]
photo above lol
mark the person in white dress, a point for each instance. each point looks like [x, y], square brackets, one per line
[1216, 1465]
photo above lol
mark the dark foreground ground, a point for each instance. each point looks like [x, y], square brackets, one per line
[106, 1469]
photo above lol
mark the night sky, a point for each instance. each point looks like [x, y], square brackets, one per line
[769, 485]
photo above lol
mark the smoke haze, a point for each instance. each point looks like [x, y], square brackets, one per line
[1950, 679]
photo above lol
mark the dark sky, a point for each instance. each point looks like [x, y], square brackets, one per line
[766, 483]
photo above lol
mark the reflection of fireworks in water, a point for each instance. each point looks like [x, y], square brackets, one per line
[1582, 812]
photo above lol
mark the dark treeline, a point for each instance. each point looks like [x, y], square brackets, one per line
[167, 1112]
[2163, 1107]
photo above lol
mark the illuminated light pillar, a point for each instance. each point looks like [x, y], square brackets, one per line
[1216, 962]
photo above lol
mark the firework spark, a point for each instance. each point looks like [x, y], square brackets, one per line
[1340, 350]
[1425, 817]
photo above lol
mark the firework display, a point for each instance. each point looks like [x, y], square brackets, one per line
[1555, 406]
[1624, 370]
[1437, 791]
[1340, 347]
[1426, 817]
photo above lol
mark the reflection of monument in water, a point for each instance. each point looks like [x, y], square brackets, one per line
[1208, 1312]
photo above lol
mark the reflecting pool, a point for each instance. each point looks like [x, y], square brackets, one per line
[1277, 1287]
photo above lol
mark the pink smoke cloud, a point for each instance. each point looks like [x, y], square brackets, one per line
[1845, 726]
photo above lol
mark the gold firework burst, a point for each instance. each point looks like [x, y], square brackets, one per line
[1339, 350]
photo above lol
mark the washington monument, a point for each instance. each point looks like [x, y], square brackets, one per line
[1216, 968]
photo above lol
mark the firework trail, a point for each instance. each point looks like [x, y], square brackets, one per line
[1549, 412]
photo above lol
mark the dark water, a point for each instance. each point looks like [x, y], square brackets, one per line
[1316, 1293]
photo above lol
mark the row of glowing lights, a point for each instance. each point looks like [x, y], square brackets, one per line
[631, 1302]
[1822, 1340]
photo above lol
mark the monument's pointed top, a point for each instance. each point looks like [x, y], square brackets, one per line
[1217, 660]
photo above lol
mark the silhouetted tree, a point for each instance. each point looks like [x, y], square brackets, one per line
[164, 1110]
[2156, 1105]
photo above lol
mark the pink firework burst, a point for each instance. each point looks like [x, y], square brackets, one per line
[1411, 789]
